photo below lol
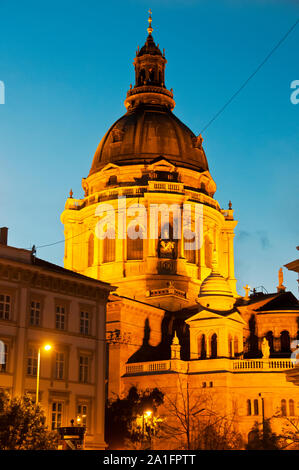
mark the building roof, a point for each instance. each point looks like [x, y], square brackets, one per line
[281, 301]
[26, 257]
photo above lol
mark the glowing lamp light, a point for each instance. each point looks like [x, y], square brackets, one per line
[47, 347]
[148, 413]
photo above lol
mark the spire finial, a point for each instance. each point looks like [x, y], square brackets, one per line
[150, 29]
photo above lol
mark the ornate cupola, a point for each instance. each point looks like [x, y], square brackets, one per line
[149, 66]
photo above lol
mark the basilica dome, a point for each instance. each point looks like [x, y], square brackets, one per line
[146, 132]
[149, 129]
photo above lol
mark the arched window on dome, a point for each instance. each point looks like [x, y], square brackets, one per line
[141, 77]
[189, 249]
[256, 407]
[151, 75]
[248, 407]
[202, 346]
[283, 407]
[214, 346]
[109, 247]
[208, 252]
[135, 245]
[90, 250]
[236, 346]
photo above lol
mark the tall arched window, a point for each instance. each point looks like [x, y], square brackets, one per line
[256, 407]
[109, 247]
[283, 407]
[291, 408]
[214, 346]
[285, 341]
[202, 347]
[230, 346]
[135, 246]
[91, 250]
[248, 407]
[270, 339]
[236, 347]
[190, 243]
[208, 252]
[141, 77]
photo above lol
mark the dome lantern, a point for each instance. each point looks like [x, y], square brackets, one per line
[149, 66]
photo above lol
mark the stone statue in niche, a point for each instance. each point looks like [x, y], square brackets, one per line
[265, 349]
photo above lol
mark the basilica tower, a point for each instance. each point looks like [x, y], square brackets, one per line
[148, 157]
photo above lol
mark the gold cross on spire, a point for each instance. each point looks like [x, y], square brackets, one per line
[150, 29]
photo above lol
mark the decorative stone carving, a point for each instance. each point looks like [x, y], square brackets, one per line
[197, 141]
[117, 134]
[265, 349]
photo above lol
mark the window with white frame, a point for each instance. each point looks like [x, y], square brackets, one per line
[5, 306]
[32, 361]
[57, 413]
[85, 323]
[83, 368]
[59, 365]
[3, 356]
[82, 414]
[35, 313]
[60, 317]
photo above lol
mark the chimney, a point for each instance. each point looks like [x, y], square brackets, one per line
[3, 235]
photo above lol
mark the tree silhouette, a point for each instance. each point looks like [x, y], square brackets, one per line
[22, 425]
[123, 413]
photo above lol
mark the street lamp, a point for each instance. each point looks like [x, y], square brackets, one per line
[46, 347]
[146, 414]
[263, 414]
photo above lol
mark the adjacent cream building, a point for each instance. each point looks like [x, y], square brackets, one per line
[41, 303]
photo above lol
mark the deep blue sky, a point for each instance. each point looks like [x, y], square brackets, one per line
[67, 66]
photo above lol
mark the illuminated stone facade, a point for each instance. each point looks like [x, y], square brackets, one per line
[150, 157]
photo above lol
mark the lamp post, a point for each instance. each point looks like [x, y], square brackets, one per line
[145, 415]
[263, 414]
[47, 347]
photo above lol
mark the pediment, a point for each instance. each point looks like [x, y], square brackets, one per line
[162, 164]
[109, 166]
[204, 315]
[208, 314]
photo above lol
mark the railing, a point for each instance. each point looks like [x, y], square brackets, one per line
[148, 367]
[264, 364]
[129, 191]
[165, 186]
[203, 198]
[224, 364]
